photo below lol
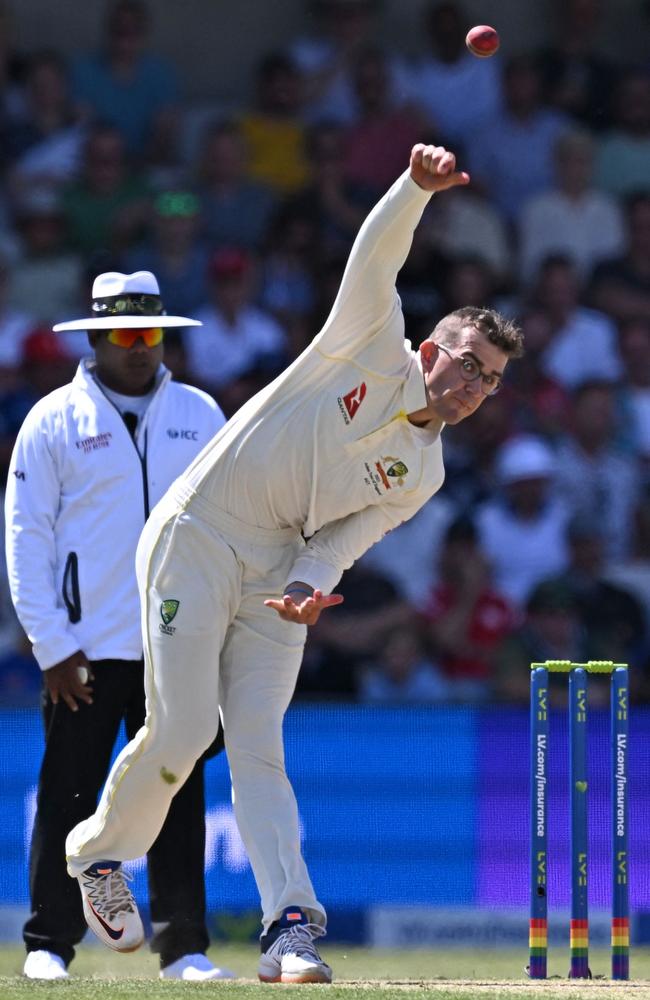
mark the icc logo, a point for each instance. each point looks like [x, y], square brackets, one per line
[184, 435]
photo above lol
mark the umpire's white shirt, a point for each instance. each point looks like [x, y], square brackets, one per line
[78, 494]
[327, 448]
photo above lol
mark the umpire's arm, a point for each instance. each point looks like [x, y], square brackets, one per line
[31, 507]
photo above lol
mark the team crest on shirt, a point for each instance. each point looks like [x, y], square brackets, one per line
[350, 403]
[388, 472]
[168, 611]
[397, 470]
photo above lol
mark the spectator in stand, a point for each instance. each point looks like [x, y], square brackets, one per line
[612, 619]
[470, 458]
[175, 252]
[522, 529]
[273, 129]
[338, 652]
[46, 263]
[470, 227]
[596, 479]
[572, 218]
[633, 572]
[128, 87]
[43, 365]
[327, 58]
[12, 73]
[464, 617]
[45, 362]
[107, 208]
[551, 630]
[14, 326]
[383, 131]
[409, 555]
[419, 284]
[540, 403]
[45, 146]
[511, 154]
[584, 342]
[235, 209]
[237, 338]
[578, 78]
[621, 287]
[288, 273]
[633, 395]
[337, 204]
[456, 91]
[467, 280]
[623, 162]
[403, 673]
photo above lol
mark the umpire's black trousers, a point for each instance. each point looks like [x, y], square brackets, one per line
[78, 748]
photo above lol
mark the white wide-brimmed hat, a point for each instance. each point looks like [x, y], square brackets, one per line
[126, 301]
[525, 457]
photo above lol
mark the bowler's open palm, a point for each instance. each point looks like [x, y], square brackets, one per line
[307, 612]
[433, 168]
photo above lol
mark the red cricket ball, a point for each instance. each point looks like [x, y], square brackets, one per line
[482, 41]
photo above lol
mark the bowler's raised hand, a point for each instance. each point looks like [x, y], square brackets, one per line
[433, 168]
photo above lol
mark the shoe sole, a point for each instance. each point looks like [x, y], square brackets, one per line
[98, 932]
[113, 945]
[305, 977]
[297, 977]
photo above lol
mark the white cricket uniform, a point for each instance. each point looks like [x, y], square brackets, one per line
[325, 452]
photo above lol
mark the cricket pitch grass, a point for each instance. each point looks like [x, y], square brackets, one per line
[98, 974]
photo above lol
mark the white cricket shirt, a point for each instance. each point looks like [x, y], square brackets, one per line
[326, 448]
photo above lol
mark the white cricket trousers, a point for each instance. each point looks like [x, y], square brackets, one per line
[218, 647]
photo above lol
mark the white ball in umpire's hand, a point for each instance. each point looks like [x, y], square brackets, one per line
[83, 674]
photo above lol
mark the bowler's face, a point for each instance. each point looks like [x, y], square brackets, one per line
[451, 398]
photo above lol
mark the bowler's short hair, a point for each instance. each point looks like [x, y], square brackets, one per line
[501, 332]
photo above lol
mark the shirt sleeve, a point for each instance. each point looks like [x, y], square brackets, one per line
[335, 546]
[31, 507]
[367, 302]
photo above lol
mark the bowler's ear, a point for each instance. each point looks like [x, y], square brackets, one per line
[429, 354]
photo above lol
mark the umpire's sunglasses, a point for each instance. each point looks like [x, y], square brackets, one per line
[128, 337]
[128, 305]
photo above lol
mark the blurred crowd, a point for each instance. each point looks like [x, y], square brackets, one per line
[538, 546]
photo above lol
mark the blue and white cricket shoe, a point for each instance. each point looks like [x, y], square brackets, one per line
[289, 954]
[109, 907]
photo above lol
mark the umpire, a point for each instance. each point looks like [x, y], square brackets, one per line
[90, 461]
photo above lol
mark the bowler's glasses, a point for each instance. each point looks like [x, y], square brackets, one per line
[127, 338]
[128, 305]
[470, 370]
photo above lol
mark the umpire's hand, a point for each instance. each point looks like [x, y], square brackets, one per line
[69, 680]
[433, 168]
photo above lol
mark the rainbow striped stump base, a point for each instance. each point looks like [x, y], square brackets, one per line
[579, 948]
[620, 948]
[538, 943]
